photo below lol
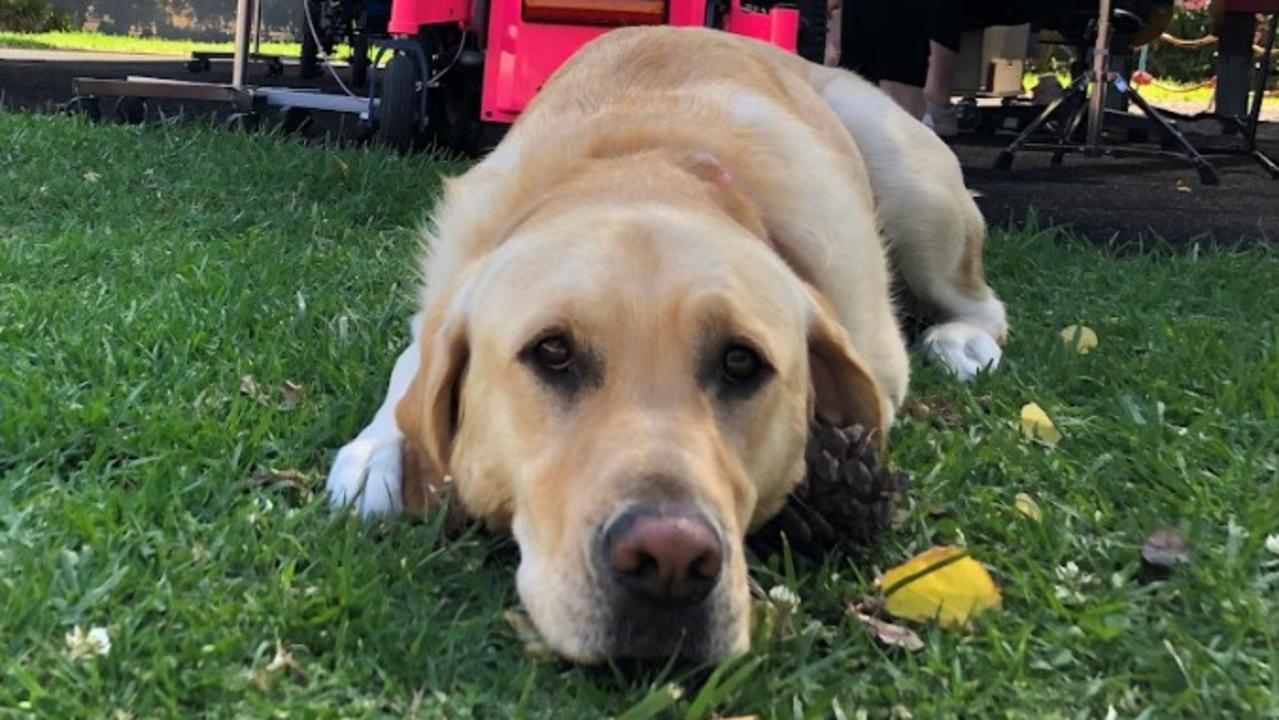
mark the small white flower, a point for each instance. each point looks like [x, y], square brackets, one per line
[783, 595]
[1272, 544]
[1069, 571]
[1111, 714]
[82, 645]
[92, 176]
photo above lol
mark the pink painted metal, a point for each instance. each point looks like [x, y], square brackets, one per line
[521, 55]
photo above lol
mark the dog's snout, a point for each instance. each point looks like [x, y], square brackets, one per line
[663, 556]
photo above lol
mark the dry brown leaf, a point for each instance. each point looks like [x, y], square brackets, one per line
[1166, 548]
[249, 386]
[290, 477]
[890, 634]
[293, 395]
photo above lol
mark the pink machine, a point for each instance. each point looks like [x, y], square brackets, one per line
[461, 71]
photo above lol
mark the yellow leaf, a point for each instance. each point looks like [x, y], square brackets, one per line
[1036, 425]
[1081, 336]
[1027, 506]
[941, 583]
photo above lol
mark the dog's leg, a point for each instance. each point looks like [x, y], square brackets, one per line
[367, 471]
[933, 227]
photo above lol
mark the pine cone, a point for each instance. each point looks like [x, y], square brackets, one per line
[845, 500]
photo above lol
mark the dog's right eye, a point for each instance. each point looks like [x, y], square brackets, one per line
[554, 353]
[561, 365]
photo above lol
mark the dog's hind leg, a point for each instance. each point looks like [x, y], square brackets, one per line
[934, 230]
[368, 471]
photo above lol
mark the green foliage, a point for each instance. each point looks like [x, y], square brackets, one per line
[1185, 65]
[32, 16]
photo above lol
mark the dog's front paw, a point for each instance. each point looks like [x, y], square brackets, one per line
[368, 475]
[964, 349]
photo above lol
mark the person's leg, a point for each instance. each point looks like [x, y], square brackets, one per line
[910, 97]
[941, 74]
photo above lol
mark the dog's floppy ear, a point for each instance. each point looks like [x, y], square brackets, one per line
[844, 390]
[429, 413]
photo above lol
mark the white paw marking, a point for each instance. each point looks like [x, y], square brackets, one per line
[964, 349]
[367, 475]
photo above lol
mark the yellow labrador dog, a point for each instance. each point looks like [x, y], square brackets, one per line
[636, 304]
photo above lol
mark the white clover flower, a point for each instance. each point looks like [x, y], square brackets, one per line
[82, 645]
[783, 595]
[1272, 544]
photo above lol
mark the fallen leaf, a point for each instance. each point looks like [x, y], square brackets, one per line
[942, 583]
[293, 395]
[1166, 549]
[1036, 425]
[1027, 506]
[252, 388]
[1082, 337]
[284, 661]
[293, 478]
[890, 634]
[527, 633]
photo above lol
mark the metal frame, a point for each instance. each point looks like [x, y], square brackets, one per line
[241, 97]
[1101, 78]
[1246, 127]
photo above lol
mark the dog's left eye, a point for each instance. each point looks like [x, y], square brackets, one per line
[555, 353]
[740, 364]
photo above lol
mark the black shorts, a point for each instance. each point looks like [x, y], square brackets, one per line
[887, 40]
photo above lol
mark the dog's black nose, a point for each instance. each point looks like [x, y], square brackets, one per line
[668, 556]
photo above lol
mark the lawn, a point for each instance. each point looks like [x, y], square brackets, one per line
[103, 42]
[146, 271]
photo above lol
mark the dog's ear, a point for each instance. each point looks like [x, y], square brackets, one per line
[429, 413]
[844, 390]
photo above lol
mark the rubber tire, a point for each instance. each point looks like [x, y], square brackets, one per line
[397, 114]
[84, 105]
[131, 110]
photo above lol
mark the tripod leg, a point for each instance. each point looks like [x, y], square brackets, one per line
[1207, 174]
[1005, 159]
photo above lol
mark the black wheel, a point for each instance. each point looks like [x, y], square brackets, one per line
[398, 114]
[241, 122]
[360, 60]
[131, 110]
[308, 61]
[84, 105]
[295, 120]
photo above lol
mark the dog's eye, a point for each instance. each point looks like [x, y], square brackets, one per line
[740, 364]
[555, 353]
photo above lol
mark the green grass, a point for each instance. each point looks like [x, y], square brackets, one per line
[102, 42]
[144, 271]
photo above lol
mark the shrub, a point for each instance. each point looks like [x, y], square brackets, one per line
[32, 16]
[1181, 64]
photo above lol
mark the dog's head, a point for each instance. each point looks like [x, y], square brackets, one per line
[629, 388]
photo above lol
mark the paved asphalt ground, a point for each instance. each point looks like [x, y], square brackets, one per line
[1119, 200]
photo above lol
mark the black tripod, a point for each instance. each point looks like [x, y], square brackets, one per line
[1078, 101]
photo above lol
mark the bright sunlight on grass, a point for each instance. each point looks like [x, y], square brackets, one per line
[102, 42]
[144, 272]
